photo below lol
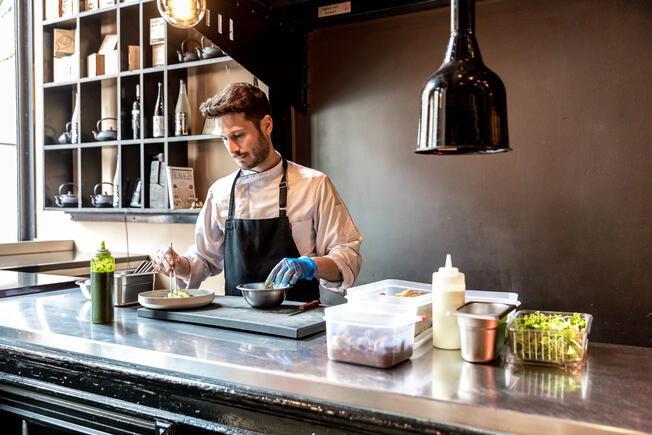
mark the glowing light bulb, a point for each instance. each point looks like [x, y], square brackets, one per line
[182, 13]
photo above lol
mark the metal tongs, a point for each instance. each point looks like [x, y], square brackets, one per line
[173, 278]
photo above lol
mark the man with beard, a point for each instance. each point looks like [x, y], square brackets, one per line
[272, 220]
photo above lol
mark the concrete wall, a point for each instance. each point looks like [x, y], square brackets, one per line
[565, 219]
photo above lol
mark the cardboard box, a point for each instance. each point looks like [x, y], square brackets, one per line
[134, 57]
[158, 54]
[156, 31]
[64, 42]
[92, 4]
[65, 68]
[109, 49]
[52, 9]
[105, 3]
[95, 65]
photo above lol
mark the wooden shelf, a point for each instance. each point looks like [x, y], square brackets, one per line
[198, 63]
[98, 11]
[196, 137]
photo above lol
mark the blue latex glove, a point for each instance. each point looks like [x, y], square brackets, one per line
[291, 270]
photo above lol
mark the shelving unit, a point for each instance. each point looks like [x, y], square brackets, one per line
[85, 163]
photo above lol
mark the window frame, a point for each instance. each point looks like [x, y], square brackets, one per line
[24, 39]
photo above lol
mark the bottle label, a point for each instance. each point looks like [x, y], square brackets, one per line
[181, 124]
[158, 126]
[135, 123]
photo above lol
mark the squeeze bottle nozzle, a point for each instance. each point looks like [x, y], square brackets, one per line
[449, 275]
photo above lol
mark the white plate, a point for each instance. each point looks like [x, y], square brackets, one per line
[157, 299]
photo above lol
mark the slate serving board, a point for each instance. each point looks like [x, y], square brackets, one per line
[233, 312]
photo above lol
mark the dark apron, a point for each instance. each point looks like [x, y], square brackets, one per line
[252, 247]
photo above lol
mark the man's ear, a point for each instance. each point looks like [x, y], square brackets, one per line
[267, 125]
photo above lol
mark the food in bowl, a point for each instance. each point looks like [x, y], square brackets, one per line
[178, 294]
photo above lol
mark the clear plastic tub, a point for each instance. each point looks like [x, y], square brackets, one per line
[372, 338]
[546, 347]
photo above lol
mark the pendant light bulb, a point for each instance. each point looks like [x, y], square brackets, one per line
[182, 13]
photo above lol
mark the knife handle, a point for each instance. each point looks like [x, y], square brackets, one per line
[309, 305]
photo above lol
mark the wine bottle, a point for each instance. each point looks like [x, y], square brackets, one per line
[135, 115]
[158, 121]
[182, 112]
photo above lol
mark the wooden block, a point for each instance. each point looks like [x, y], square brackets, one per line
[52, 9]
[95, 65]
[158, 54]
[134, 57]
[64, 42]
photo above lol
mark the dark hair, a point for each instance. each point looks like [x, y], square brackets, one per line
[238, 98]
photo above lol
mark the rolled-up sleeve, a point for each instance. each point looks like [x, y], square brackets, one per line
[336, 236]
[206, 256]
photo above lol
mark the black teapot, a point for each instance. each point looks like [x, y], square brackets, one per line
[109, 134]
[99, 199]
[67, 199]
[209, 51]
[187, 56]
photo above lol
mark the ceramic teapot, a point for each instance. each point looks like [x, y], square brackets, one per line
[102, 135]
[187, 56]
[209, 51]
[66, 136]
[99, 199]
[67, 199]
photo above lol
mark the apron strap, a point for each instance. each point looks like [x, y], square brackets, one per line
[231, 199]
[282, 192]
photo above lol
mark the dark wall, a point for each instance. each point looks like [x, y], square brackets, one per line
[564, 219]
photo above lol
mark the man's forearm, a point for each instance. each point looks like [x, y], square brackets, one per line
[327, 269]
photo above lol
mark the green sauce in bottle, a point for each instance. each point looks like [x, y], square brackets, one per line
[102, 268]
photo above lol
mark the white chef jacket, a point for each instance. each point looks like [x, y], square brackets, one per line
[321, 224]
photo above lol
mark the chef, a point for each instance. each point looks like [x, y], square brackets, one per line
[271, 220]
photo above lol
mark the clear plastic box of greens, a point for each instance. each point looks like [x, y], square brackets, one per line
[549, 338]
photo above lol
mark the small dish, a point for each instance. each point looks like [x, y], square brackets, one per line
[259, 296]
[158, 300]
[85, 287]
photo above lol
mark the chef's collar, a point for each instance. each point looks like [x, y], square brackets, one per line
[248, 176]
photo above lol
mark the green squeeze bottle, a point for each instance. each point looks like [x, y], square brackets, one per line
[102, 267]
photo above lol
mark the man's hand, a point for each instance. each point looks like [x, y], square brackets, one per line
[166, 258]
[291, 270]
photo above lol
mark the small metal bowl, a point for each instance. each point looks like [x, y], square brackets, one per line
[85, 286]
[259, 296]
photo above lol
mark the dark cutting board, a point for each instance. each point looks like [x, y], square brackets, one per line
[233, 312]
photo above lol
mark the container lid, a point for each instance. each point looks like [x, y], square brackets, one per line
[369, 316]
[383, 292]
[103, 252]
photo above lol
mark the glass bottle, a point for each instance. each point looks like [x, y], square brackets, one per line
[135, 115]
[74, 122]
[158, 121]
[102, 268]
[182, 112]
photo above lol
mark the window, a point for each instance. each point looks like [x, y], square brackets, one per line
[8, 158]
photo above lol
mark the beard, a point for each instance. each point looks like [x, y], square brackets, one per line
[258, 155]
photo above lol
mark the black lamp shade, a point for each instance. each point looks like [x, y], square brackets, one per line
[463, 104]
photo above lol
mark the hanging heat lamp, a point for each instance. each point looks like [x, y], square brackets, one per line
[182, 13]
[463, 104]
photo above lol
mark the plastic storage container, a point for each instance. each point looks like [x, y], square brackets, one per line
[370, 296]
[372, 338]
[557, 348]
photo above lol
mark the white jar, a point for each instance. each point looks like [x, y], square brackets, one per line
[448, 288]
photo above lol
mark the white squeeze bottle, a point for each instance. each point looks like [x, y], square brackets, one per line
[447, 295]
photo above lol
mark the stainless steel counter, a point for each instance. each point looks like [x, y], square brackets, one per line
[611, 394]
